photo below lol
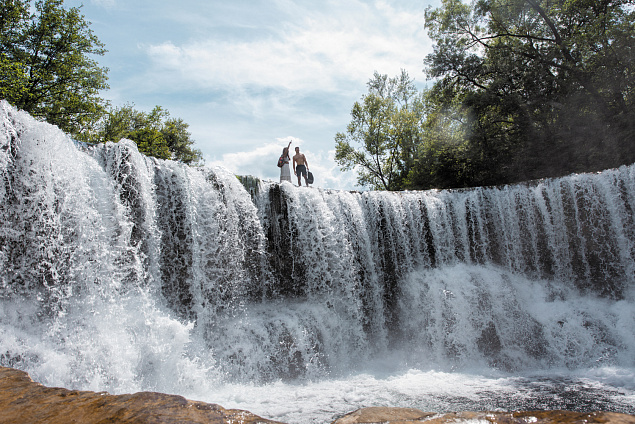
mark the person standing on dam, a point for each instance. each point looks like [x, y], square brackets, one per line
[283, 164]
[300, 166]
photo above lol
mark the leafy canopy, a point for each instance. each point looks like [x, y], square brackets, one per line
[382, 134]
[522, 89]
[548, 84]
[47, 66]
[156, 133]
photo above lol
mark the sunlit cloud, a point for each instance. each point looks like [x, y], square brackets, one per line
[317, 50]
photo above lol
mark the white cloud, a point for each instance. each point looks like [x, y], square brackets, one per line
[320, 48]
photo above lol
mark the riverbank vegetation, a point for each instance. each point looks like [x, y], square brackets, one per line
[521, 89]
[48, 69]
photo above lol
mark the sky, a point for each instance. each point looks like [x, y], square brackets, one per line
[248, 76]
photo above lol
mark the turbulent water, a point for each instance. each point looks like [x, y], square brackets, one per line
[122, 273]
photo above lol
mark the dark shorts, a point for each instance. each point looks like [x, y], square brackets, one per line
[300, 170]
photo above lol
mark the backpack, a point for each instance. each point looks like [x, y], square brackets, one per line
[309, 178]
[280, 161]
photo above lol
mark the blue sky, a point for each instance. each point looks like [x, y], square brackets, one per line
[250, 75]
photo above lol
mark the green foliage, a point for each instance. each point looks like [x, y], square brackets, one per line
[46, 64]
[523, 89]
[178, 139]
[151, 142]
[547, 85]
[13, 72]
[442, 157]
[155, 133]
[383, 133]
[47, 69]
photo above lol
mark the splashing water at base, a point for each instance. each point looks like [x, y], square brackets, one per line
[325, 401]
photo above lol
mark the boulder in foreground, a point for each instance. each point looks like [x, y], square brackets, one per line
[24, 401]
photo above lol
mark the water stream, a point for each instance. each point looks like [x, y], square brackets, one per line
[123, 273]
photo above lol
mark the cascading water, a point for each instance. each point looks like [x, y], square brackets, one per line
[124, 273]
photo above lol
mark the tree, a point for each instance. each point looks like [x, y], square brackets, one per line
[380, 140]
[46, 64]
[442, 156]
[547, 85]
[155, 133]
[47, 69]
[177, 137]
[13, 72]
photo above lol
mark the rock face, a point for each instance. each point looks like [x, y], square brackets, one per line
[411, 416]
[23, 401]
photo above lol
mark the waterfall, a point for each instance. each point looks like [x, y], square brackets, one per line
[523, 276]
[123, 273]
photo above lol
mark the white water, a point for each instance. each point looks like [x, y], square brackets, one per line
[121, 273]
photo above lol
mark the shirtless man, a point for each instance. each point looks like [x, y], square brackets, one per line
[302, 166]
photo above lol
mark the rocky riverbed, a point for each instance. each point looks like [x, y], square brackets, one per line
[24, 401]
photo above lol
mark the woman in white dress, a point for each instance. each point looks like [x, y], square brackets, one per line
[285, 172]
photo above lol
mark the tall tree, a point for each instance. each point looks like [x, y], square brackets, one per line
[47, 66]
[382, 136]
[548, 84]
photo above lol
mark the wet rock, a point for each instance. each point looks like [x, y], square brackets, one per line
[24, 401]
[385, 415]
[409, 415]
